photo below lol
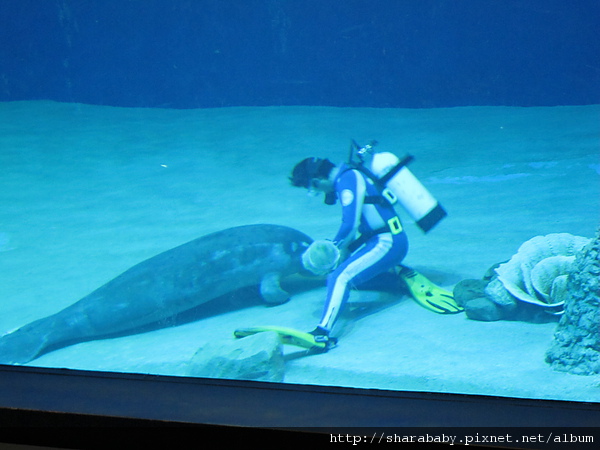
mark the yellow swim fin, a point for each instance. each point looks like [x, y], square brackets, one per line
[427, 294]
[290, 336]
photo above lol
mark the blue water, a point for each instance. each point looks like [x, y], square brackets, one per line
[128, 128]
[383, 53]
[105, 188]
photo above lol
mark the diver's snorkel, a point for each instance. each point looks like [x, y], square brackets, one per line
[329, 199]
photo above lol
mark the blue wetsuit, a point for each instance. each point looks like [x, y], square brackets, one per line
[383, 250]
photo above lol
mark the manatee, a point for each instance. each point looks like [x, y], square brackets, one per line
[167, 284]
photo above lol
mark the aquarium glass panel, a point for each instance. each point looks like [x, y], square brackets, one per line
[387, 195]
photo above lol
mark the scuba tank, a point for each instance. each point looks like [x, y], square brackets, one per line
[398, 185]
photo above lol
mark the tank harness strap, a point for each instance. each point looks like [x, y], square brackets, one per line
[386, 196]
[375, 200]
[394, 170]
[393, 226]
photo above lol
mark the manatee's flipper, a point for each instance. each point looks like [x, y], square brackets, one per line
[427, 294]
[289, 336]
[271, 291]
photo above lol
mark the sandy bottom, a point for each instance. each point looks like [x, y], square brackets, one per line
[89, 191]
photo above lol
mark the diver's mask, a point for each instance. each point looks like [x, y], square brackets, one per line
[309, 170]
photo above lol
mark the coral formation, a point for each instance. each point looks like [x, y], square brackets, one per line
[528, 286]
[537, 273]
[576, 345]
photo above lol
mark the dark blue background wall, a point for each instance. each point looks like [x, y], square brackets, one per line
[382, 53]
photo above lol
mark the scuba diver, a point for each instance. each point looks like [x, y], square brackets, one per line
[371, 236]
[371, 239]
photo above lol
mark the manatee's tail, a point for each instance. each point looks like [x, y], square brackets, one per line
[20, 347]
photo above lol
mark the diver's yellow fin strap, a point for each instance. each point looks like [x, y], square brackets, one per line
[427, 294]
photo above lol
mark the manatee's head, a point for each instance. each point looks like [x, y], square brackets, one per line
[279, 248]
[295, 249]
